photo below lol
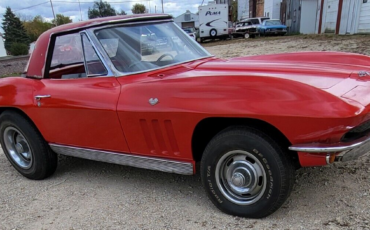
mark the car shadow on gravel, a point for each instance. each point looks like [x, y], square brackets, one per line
[318, 189]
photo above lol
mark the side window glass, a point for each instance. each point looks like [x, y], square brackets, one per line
[67, 61]
[93, 64]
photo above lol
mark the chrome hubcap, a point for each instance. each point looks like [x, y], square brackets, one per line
[17, 147]
[241, 177]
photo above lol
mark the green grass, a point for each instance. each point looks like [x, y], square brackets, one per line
[10, 75]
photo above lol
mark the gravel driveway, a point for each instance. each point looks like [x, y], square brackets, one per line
[84, 194]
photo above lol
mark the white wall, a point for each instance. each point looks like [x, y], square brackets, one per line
[243, 9]
[350, 16]
[272, 9]
[2, 47]
[309, 16]
[364, 20]
[331, 14]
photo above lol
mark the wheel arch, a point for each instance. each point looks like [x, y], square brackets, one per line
[19, 111]
[207, 128]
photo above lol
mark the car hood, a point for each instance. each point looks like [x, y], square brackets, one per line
[337, 73]
[274, 26]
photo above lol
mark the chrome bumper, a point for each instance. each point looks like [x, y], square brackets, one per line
[347, 150]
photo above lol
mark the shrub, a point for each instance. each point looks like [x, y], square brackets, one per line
[17, 49]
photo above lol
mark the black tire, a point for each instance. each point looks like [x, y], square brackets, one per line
[213, 33]
[25, 147]
[236, 152]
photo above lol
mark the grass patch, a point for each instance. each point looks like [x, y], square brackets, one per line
[10, 75]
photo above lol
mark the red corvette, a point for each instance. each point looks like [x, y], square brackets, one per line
[92, 90]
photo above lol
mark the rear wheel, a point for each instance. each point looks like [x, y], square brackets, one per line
[246, 36]
[25, 148]
[213, 33]
[245, 173]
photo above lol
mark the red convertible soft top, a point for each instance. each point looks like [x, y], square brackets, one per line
[37, 60]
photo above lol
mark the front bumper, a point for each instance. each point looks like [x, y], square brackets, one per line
[343, 151]
[275, 32]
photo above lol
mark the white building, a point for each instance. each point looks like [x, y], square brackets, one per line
[272, 9]
[2, 47]
[32, 47]
[243, 9]
[187, 19]
[353, 15]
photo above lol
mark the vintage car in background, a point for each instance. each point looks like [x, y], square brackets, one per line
[272, 27]
[246, 29]
[249, 127]
[255, 21]
[191, 32]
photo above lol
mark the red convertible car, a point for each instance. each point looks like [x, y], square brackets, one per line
[90, 91]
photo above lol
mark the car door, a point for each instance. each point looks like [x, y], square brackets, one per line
[75, 103]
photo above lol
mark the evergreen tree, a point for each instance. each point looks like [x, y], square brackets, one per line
[14, 31]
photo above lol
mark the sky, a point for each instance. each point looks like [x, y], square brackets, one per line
[29, 8]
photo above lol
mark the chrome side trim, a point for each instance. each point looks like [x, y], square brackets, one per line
[152, 163]
[329, 148]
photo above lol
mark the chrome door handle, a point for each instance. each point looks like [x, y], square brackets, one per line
[39, 97]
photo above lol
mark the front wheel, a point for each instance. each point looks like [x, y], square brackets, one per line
[245, 173]
[25, 148]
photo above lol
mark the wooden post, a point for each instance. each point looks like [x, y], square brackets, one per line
[321, 14]
[340, 6]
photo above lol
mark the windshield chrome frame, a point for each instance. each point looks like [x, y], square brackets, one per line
[96, 43]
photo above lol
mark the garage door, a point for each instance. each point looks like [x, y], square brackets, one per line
[187, 24]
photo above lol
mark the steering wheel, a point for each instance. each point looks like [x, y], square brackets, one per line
[164, 55]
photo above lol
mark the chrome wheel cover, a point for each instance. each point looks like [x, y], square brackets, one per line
[241, 177]
[213, 33]
[18, 148]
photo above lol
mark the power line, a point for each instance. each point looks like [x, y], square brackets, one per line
[107, 1]
[78, 3]
[31, 6]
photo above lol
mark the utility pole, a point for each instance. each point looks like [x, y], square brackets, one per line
[79, 3]
[162, 8]
[52, 8]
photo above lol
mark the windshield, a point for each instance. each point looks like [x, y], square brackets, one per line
[138, 48]
[272, 22]
[188, 30]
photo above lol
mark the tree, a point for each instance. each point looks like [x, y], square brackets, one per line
[17, 49]
[60, 19]
[138, 8]
[101, 9]
[14, 31]
[122, 13]
[35, 27]
[234, 8]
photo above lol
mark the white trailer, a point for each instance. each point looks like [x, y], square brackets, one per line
[213, 21]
